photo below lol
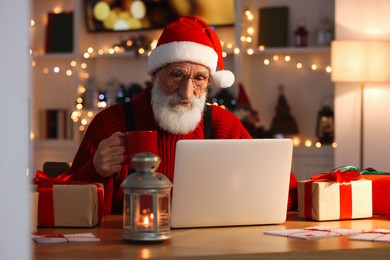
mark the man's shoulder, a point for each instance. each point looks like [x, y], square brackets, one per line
[111, 112]
[223, 116]
[112, 108]
[226, 125]
[220, 111]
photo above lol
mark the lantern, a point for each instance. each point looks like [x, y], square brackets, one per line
[325, 125]
[146, 201]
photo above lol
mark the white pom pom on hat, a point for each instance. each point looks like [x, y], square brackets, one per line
[223, 78]
[190, 39]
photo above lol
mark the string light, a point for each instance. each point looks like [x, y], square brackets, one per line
[57, 10]
[117, 49]
[247, 29]
[153, 44]
[296, 141]
[308, 143]
[275, 58]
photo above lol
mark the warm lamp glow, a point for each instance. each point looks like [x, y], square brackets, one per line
[366, 17]
[360, 61]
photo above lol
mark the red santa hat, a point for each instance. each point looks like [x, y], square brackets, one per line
[191, 39]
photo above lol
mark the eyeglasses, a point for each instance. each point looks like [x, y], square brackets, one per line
[177, 77]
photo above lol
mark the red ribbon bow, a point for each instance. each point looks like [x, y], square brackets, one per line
[46, 202]
[42, 178]
[338, 176]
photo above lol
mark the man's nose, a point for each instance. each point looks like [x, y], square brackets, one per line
[186, 89]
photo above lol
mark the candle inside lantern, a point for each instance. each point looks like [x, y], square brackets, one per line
[146, 220]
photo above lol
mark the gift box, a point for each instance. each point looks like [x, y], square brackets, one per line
[335, 196]
[66, 203]
[380, 190]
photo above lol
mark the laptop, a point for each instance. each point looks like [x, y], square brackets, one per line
[231, 182]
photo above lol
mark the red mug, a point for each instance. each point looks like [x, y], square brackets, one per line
[140, 141]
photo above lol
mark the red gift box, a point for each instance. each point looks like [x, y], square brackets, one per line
[335, 195]
[380, 188]
[66, 203]
[380, 192]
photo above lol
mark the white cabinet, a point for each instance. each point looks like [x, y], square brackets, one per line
[308, 161]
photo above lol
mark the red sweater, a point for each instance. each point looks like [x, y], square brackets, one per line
[225, 125]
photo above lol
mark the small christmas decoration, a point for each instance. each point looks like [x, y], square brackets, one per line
[283, 123]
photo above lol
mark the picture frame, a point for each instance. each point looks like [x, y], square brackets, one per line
[136, 15]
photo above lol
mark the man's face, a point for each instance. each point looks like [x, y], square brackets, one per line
[179, 95]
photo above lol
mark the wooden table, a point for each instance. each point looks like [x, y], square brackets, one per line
[247, 242]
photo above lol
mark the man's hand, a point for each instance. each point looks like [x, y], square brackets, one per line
[110, 155]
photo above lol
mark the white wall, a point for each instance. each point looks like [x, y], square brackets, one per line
[367, 20]
[14, 131]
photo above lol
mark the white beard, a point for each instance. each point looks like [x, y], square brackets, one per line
[176, 119]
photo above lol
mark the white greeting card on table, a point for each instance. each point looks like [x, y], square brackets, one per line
[59, 238]
[314, 232]
[380, 235]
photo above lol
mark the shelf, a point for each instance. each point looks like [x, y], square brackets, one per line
[50, 143]
[323, 150]
[118, 55]
[301, 50]
[54, 56]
